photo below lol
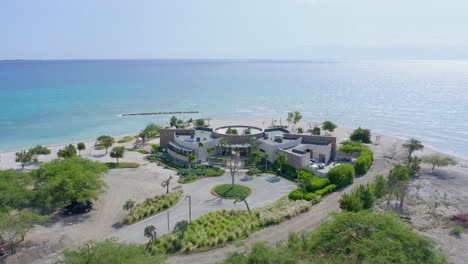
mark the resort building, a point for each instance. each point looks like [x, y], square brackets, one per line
[207, 142]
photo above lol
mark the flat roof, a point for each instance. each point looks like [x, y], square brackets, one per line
[204, 136]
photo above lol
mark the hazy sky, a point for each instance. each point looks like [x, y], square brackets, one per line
[282, 29]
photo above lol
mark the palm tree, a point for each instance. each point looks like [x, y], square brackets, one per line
[255, 156]
[191, 158]
[150, 233]
[281, 160]
[129, 205]
[181, 227]
[209, 150]
[224, 143]
[265, 156]
[254, 142]
[200, 145]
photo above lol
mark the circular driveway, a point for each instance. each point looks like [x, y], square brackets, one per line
[266, 190]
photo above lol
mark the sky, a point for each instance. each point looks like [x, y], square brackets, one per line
[234, 29]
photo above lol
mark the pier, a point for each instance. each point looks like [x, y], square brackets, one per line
[160, 113]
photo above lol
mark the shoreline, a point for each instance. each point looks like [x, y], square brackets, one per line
[250, 121]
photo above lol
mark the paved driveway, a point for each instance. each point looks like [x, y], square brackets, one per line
[266, 190]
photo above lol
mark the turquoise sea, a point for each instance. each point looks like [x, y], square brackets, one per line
[50, 102]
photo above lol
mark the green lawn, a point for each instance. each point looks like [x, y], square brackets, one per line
[125, 139]
[142, 151]
[231, 191]
[122, 165]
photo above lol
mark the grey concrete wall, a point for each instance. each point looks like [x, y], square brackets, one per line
[298, 161]
[167, 134]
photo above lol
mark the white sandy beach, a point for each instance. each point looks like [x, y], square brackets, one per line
[144, 182]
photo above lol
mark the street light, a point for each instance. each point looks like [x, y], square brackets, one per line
[190, 208]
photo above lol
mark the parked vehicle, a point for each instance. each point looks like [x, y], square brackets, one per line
[77, 207]
[319, 164]
[2, 250]
[313, 165]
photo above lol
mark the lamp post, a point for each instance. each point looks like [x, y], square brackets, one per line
[190, 208]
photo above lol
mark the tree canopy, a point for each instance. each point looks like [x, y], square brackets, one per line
[110, 251]
[106, 141]
[117, 152]
[150, 131]
[67, 152]
[200, 122]
[439, 160]
[14, 227]
[413, 145]
[14, 190]
[329, 126]
[61, 182]
[362, 135]
[173, 121]
[24, 157]
[361, 237]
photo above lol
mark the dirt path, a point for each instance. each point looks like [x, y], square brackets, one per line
[276, 233]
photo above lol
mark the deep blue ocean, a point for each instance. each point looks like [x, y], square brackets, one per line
[50, 102]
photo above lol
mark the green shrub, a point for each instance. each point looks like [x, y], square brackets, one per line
[341, 175]
[330, 188]
[287, 172]
[317, 183]
[363, 162]
[223, 226]
[297, 194]
[152, 206]
[361, 135]
[456, 230]
[310, 196]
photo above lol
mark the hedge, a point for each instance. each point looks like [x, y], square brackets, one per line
[364, 161]
[317, 183]
[330, 188]
[313, 182]
[297, 194]
[310, 196]
[341, 175]
[288, 171]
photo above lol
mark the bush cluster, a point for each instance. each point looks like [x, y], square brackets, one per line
[152, 206]
[362, 237]
[221, 227]
[328, 189]
[297, 194]
[312, 182]
[310, 196]
[288, 171]
[364, 161]
[341, 175]
[363, 197]
[203, 170]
